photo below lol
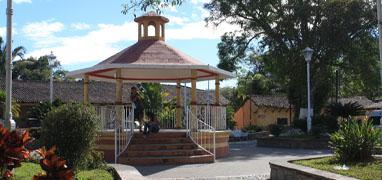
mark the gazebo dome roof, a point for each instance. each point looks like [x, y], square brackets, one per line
[151, 59]
[153, 52]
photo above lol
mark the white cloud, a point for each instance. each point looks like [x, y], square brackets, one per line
[178, 20]
[42, 32]
[104, 40]
[96, 45]
[22, 1]
[80, 26]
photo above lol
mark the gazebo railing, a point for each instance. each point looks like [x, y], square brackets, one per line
[201, 133]
[166, 117]
[212, 115]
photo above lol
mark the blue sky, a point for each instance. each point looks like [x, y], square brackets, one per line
[83, 33]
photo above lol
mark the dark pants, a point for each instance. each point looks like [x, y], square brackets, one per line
[151, 128]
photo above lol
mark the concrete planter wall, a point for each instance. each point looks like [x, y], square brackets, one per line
[294, 143]
[284, 170]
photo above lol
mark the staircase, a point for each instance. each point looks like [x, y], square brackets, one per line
[164, 148]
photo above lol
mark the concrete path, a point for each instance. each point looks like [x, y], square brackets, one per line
[246, 161]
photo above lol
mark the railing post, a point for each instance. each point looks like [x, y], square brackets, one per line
[214, 145]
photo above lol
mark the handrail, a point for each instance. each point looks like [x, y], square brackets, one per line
[201, 136]
[124, 131]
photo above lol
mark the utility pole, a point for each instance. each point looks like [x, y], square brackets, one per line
[8, 67]
[380, 36]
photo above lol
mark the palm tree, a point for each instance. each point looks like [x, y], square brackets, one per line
[18, 51]
[345, 111]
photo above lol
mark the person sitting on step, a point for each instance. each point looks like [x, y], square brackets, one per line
[153, 125]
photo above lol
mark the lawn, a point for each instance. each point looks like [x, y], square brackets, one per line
[369, 170]
[27, 170]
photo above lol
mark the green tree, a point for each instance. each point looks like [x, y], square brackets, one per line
[278, 30]
[15, 106]
[37, 69]
[17, 52]
[144, 5]
[153, 96]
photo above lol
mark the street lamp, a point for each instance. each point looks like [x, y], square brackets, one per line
[51, 57]
[308, 57]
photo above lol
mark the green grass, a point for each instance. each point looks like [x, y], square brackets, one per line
[28, 170]
[365, 170]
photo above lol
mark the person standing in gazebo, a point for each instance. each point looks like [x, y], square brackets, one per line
[138, 110]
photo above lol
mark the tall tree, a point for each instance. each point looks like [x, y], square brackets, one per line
[144, 5]
[37, 69]
[278, 30]
[17, 52]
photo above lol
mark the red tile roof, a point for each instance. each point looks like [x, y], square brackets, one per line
[151, 52]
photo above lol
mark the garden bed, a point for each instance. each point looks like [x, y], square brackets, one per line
[29, 169]
[300, 142]
[361, 170]
[283, 169]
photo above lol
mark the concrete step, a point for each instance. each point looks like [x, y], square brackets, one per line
[149, 140]
[154, 147]
[166, 160]
[162, 135]
[161, 153]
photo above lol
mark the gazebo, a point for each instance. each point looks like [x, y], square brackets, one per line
[152, 60]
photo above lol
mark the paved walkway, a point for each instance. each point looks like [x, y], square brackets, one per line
[246, 161]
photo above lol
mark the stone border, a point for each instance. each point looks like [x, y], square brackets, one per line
[293, 143]
[283, 169]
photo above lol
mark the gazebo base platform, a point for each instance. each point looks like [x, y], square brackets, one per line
[169, 146]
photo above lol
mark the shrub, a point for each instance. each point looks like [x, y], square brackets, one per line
[292, 133]
[252, 128]
[318, 129]
[300, 124]
[73, 129]
[330, 123]
[275, 129]
[12, 151]
[231, 123]
[93, 160]
[43, 108]
[320, 124]
[354, 141]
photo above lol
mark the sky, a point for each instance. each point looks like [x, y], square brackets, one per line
[84, 32]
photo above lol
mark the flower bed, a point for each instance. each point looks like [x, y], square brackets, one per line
[360, 170]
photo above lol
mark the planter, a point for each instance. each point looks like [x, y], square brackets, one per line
[294, 143]
[284, 170]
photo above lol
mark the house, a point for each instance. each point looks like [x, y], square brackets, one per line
[264, 110]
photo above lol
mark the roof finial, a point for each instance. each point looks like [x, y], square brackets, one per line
[151, 26]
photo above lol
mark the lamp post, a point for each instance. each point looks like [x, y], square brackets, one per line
[308, 57]
[51, 58]
[379, 14]
[8, 65]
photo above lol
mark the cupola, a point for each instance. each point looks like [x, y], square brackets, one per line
[151, 26]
